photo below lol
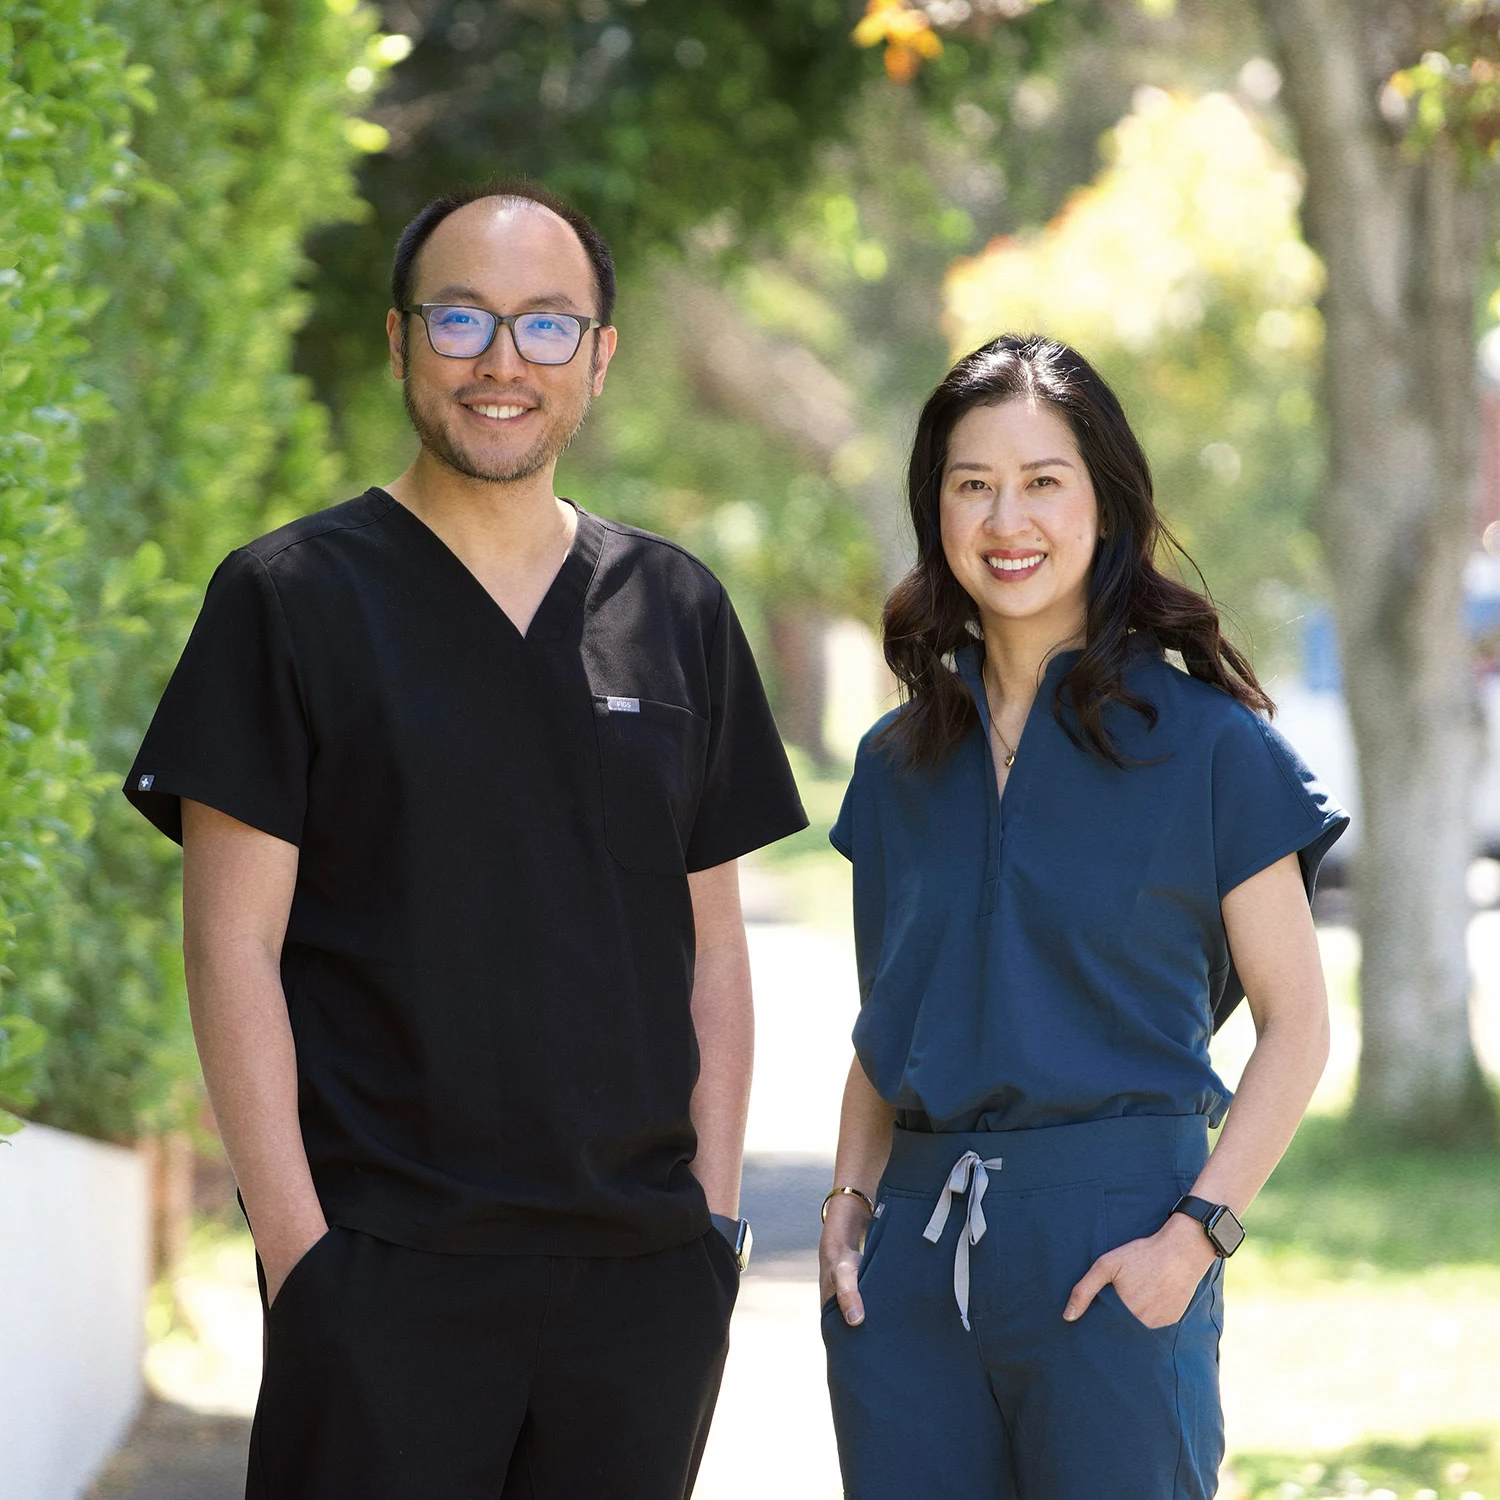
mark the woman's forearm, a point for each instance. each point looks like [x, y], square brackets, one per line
[1278, 1083]
[1275, 948]
[865, 1122]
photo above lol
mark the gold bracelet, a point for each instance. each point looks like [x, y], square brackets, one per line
[853, 1193]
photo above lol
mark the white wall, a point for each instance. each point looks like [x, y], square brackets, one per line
[74, 1267]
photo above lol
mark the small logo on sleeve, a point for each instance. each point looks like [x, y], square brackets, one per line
[623, 705]
[144, 784]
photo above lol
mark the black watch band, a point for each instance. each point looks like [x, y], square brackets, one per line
[1225, 1232]
[737, 1233]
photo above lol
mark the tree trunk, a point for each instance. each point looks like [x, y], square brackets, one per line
[169, 1167]
[797, 649]
[1402, 240]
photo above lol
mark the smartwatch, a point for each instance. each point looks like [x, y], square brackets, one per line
[737, 1232]
[1225, 1232]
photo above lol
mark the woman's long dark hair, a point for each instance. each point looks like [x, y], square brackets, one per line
[929, 616]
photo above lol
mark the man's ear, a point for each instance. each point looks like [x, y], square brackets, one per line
[605, 340]
[395, 336]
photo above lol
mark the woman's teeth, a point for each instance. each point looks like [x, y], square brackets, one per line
[1015, 564]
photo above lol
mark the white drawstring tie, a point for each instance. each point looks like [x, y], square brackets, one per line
[968, 1176]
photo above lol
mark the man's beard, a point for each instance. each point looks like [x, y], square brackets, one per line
[547, 448]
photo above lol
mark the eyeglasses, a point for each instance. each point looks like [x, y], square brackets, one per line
[542, 338]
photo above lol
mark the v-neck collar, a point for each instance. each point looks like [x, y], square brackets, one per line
[970, 662]
[565, 593]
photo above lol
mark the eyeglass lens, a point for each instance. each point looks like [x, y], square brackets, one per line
[542, 338]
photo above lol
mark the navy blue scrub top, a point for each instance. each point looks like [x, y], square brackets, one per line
[1058, 955]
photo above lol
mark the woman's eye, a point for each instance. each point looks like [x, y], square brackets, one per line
[1045, 479]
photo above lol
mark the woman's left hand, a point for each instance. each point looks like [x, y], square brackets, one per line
[1154, 1277]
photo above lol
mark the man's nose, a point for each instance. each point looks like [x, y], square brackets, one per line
[502, 360]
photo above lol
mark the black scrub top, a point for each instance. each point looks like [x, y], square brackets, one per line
[1058, 954]
[489, 959]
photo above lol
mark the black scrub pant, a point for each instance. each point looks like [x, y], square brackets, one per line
[395, 1374]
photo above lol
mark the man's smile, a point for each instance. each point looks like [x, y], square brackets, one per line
[494, 411]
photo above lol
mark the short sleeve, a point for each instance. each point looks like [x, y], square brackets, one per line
[1267, 804]
[231, 729]
[749, 797]
[856, 834]
[852, 809]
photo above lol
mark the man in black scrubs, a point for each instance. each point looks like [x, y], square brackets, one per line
[461, 774]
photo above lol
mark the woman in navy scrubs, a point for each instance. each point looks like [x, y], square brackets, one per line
[1072, 857]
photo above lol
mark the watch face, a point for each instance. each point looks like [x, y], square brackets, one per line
[1225, 1231]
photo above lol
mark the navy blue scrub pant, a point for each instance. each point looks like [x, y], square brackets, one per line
[395, 1374]
[1021, 1405]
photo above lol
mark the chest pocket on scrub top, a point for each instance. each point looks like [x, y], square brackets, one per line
[651, 758]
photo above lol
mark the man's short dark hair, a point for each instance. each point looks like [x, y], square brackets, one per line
[417, 233]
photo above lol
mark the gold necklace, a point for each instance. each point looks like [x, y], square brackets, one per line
[1010, 754]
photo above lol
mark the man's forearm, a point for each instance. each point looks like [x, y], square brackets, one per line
[250, 1066]
[724, 1020]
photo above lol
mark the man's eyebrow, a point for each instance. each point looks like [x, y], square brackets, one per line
[551, 299]
[457, 293]
[453, 292]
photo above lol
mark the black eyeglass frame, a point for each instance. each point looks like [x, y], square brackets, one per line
[506, 320]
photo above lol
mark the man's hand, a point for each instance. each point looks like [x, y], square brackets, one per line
[279, 1262]
[1154, 1277]
[839, 1255]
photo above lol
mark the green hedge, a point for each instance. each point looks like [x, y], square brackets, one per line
[65, 93]
[249, 145]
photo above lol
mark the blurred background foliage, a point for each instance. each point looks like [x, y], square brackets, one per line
[799, 243]
[202, 218]
[187, 268]
[65, 105]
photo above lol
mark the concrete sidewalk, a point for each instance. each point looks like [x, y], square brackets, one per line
[176, 1453]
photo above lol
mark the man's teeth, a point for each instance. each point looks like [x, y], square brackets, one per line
[1014, 564]
[499, 413]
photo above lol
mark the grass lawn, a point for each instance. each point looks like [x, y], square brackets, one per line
[1362, 1354]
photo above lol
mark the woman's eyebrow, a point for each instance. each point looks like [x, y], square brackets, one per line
[1036, 463]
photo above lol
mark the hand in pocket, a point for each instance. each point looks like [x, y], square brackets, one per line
[279, 1268]
[1154, 1278]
